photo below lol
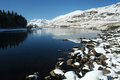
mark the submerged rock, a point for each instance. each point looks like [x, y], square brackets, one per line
[59, 50]
[64, 39]
[60, 59]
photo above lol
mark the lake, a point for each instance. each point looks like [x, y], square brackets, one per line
[23, 53]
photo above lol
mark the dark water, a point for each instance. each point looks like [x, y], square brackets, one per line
[23, 53]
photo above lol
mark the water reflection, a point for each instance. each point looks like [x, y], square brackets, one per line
[38, 52]
[11, 39]
[72, 34]
[14, 39]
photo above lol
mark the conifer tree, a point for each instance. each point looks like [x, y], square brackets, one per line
[12, 20]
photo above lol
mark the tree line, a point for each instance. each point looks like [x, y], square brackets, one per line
[12, 20]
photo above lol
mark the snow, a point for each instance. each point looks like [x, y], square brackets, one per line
[112, 73]
[92, 57]
[110, 70]
[104, 44]
[70, 75]
[86, 67]
[61, 63]
[86, 50]
[97, 40]
[103, 78]
[59, 72]
[99, 18]
[113, 60]
[100, 50]
[94, 75]
[77, 63]
[96, 66]
[80, 74]
[35, 76]
[87, 40]
[78, 52]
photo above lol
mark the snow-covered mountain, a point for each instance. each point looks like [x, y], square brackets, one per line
[37, 22]
[99, 18]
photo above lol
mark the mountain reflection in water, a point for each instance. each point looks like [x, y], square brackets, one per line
[72, 34]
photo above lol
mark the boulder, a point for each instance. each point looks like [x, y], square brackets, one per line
[104, 63]
[93, 50]
[52, 73]
[103, 57]
[76, 46]
[118, 72]
[84, 71]
[98, 62]
[91, 61]
[60, 65]
[74, 49]
[69, 61]
[76, 65]
[105, 71]
[100, 68]
[89, 46]
[89, 64]
[84, 60]
[57, 74]
[82, 48]
[33, 76]
[88, 55]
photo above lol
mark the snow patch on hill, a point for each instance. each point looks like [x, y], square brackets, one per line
[99, 18]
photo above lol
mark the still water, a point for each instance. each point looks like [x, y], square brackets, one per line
[23, 53]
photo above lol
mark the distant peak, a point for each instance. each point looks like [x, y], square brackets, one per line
[37, 22]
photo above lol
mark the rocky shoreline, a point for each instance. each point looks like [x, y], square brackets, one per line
[97, 59]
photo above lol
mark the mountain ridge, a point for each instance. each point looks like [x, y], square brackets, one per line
[95, 18]
[101, 18]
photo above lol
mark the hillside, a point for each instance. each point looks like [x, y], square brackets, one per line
[99, 18]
